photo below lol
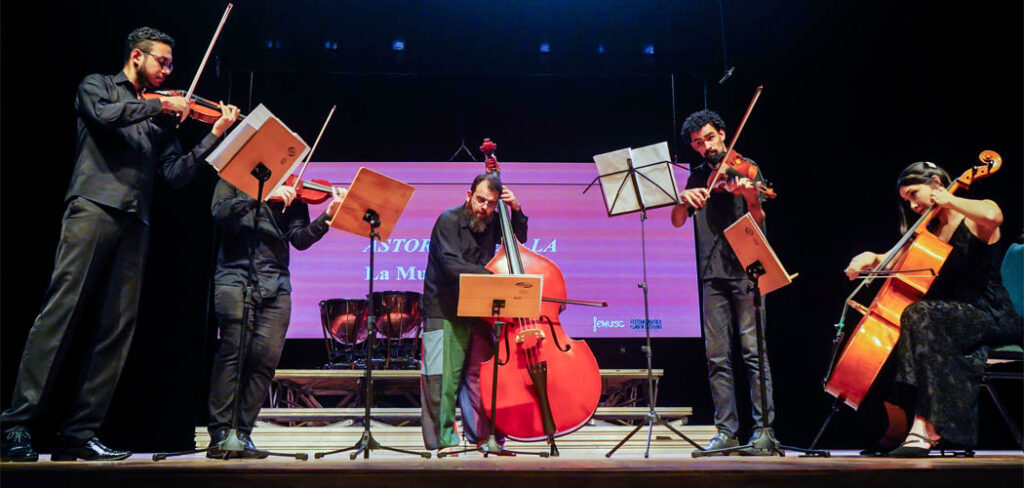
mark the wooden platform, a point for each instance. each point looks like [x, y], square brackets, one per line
[298, 388]
[591, 440]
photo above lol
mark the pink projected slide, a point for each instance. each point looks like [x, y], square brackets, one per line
[600, 256]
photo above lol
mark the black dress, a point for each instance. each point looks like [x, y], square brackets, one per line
[939, 355]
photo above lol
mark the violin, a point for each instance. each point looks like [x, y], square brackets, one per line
[736, 166]
[312, 192]
[202, 109]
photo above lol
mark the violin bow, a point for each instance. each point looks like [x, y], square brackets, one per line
[315, 143]
[206, 57]
[736, 136]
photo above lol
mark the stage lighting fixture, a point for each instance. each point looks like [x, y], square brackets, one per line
[600, 49]
[398, 45]
[649, 49]
[545, 47]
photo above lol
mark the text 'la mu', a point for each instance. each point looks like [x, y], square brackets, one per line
[423, 245]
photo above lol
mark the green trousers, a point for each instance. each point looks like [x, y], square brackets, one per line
[452, 352]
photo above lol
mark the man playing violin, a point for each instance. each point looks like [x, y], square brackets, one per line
[726, 290]
[123, 143]
[283, 221]
[937, 362]
[463, 240]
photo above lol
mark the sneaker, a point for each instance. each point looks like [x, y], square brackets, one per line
[763, 443]
[721, 440]
[17, 446]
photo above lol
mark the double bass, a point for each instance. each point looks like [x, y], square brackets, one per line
[549, 384]
[909, 270]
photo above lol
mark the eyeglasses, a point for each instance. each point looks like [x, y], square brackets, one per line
[163, 61]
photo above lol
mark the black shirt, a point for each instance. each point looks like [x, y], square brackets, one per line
[715, 258]
[123, 142]
[455, 249]
[233, 211]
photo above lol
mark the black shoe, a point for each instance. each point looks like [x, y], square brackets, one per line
[90, 450]
[878, 450]
[907, 451]
[17, 446]
[216, 438]
[250, 451]
[763, 443]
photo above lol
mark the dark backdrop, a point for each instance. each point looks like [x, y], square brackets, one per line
[853, 93]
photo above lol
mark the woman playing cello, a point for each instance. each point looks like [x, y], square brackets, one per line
[937, 362]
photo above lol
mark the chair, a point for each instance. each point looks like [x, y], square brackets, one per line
[1012, 271]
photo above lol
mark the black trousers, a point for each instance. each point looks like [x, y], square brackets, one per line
[267, 325]
[92, 303]
[729, 319]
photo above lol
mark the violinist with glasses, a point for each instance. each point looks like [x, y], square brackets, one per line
[937, 361]
[123, 143]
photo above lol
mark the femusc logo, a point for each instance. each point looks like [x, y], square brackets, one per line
[605, 324]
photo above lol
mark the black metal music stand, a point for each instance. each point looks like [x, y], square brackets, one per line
[378, 201]
[646, 171]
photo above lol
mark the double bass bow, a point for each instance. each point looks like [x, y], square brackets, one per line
[549, 384]
[909, 270]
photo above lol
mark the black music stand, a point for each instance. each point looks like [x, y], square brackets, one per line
[646, 172]
[486, 296]
[270, 141]
[373, 202]
[766, 274]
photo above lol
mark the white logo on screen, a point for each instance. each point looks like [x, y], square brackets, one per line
[608, 324]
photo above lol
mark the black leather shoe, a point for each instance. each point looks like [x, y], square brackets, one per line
[90, 450]
[251, 452]
[17, 446]
[216, 438]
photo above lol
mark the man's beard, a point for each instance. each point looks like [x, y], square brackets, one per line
[476, 224]
[714, 159]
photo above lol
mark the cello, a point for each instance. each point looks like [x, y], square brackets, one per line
[549, 384]
[909, 270]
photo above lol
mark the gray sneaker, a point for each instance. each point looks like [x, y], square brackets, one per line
[763, 443]
[721, 440]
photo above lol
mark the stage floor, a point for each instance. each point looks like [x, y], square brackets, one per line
[383, 470]
[582, 463]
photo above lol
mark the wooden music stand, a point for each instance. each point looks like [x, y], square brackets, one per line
[480, 295]
[509, 296]
[260, 139]
[766, 274]
[750, 245]
[372, 192]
